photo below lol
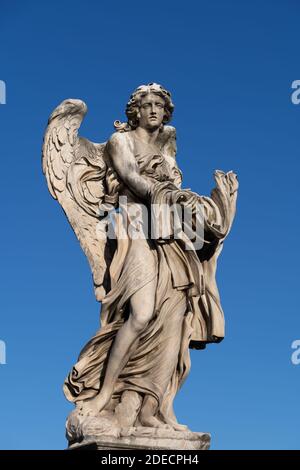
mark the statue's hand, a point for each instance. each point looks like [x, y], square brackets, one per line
[188, 199]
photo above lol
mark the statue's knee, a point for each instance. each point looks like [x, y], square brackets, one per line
[140, 320]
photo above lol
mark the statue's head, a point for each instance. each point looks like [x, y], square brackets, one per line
[149, 106]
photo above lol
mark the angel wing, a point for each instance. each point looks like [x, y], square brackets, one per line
[80, 179]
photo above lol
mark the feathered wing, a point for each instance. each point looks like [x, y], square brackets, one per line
[76, 174]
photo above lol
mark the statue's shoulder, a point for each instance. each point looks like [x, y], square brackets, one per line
[119, 140]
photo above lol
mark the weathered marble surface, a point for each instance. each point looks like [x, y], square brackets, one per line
[159, 293]
[105, 433]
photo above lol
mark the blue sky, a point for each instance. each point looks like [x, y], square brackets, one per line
[229, 66]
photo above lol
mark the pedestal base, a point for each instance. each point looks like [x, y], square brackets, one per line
[102, 433]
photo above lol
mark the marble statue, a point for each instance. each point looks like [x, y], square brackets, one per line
[153, 270]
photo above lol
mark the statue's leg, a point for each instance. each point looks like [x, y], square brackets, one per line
[147, 414]
[170, 345]
[141, 310]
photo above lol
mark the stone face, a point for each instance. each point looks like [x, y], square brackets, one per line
[156, 282]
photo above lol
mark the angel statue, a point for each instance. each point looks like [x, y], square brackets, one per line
[157, 288]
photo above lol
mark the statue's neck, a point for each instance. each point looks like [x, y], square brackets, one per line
[141, 143]
[146, 136]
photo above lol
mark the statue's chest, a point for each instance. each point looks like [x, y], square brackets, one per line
[154, 166]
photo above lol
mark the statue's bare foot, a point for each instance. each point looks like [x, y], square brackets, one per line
[153, 422]
[179, 427]
[95, 405]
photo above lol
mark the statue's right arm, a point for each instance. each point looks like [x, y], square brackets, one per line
[122, 157]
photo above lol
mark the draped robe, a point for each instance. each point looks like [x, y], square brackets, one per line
[187, 312]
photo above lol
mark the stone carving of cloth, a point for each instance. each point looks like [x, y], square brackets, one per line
[188, 312]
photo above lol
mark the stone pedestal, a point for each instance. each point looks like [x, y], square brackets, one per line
[103, 434]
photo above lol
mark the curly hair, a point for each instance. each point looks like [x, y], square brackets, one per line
[133, 106]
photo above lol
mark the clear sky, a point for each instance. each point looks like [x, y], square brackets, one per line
[230, 66]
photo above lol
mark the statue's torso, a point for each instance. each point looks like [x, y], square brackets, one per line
[153, 164]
